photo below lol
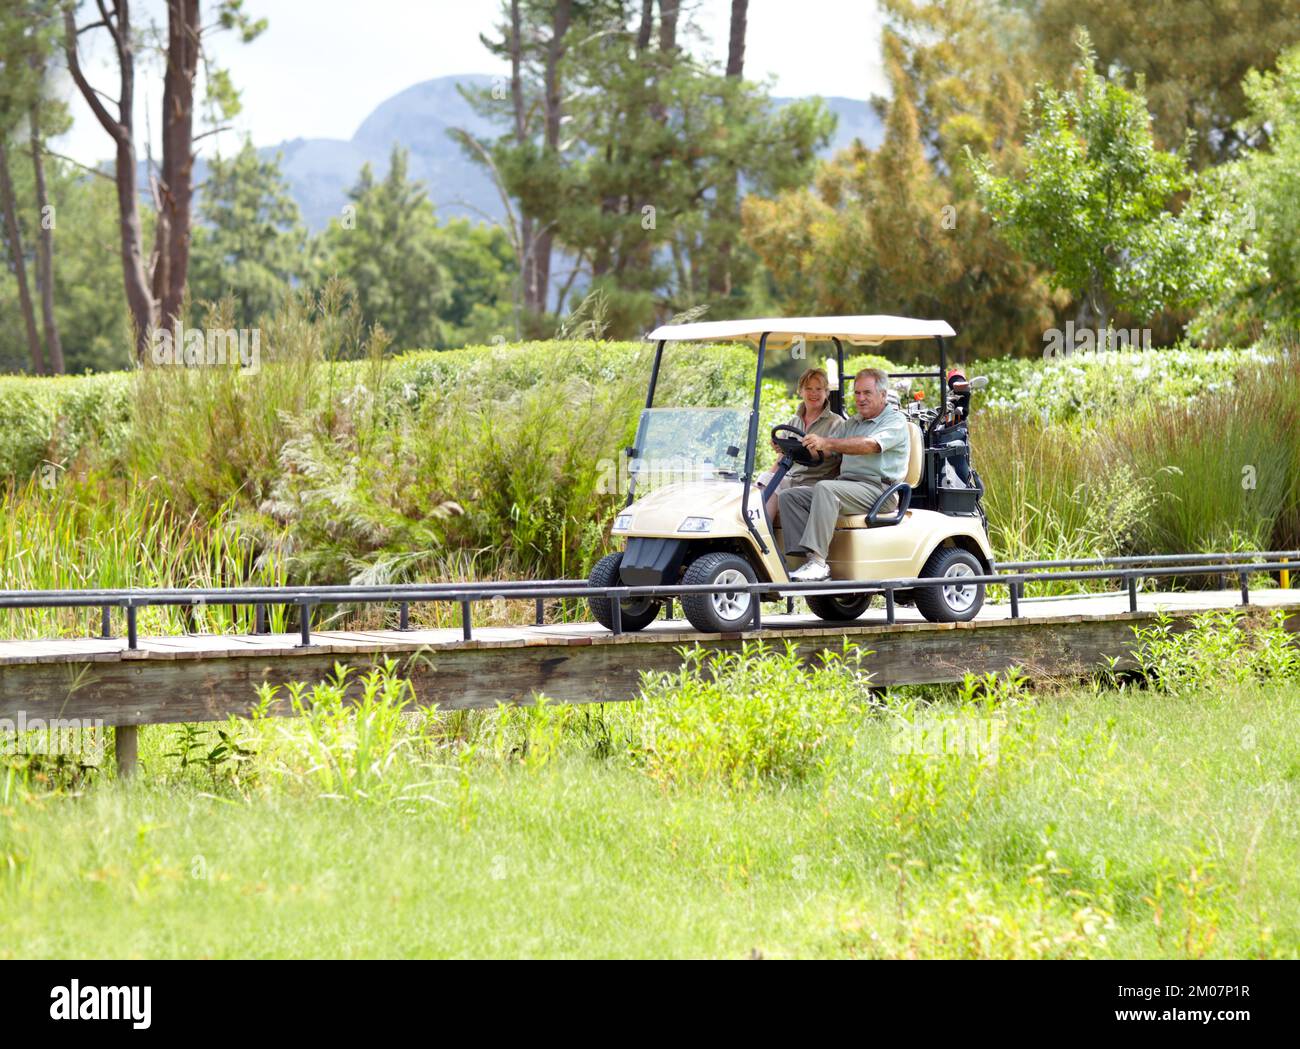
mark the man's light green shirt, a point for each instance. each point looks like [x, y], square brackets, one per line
[889, 428]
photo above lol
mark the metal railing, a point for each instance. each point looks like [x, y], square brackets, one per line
[1014, 576]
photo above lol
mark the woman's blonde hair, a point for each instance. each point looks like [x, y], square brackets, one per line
[814, 373]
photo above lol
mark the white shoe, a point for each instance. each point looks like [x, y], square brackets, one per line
[811, 572]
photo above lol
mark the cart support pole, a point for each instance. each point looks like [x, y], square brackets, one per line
[751, 443]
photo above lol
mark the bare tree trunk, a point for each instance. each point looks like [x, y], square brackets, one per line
[736, 45]
[646, 27]
[116, 19]
[524, 248]
[668, 10]
[729, 188]
[176, 191]
[45, 248]
[553, 111]
[14, 236]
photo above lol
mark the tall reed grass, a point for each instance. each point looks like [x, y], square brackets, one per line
[338, 462]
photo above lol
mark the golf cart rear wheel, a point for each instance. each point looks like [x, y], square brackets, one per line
[637, 613]
[838, 608]
[717, 613]
[958, 601]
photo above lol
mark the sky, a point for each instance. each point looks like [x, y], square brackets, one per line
[322, 66]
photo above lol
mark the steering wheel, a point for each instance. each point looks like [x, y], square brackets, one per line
[793, 446]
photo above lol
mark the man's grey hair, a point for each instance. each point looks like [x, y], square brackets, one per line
[880, 378]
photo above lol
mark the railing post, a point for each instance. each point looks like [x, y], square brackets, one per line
[616, 614]
[404, 616]
[541, 611]
[106, 621]
[1245, 587]
[466, 624]
[890, 610]
[758, 612]
[1013, 591]
[259, 618]
[304, 624]
[1132, 593]
[132, 636]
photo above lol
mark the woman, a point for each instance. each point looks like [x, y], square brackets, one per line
[814, 415]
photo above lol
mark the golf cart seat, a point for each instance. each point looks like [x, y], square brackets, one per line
[873, 519]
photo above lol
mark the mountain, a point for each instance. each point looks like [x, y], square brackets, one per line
[319, 171]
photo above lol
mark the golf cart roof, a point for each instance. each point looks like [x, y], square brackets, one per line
[782, 331]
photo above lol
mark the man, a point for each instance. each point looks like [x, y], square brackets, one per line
[874, 446]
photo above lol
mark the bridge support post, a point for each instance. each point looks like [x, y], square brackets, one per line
[126, 748]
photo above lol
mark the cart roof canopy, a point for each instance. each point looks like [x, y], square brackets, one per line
[782, 331]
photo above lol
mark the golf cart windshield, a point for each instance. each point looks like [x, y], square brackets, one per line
[689, 444]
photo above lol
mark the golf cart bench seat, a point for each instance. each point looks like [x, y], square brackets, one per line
[915, 457]
[851, 521]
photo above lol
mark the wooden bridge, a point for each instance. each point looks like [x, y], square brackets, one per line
[207, 677]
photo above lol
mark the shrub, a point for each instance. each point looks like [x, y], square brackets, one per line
[341, 745]
[1216, 649]
[741, 719]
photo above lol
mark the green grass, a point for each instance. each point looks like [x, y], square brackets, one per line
[1103, 823]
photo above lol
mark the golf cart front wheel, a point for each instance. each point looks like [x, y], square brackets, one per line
[718, 613]
[956, 602]
[636, 613]
[838, 608]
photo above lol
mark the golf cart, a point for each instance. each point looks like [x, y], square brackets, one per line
[705, 521]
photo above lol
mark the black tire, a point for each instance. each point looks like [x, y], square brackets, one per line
[636, 614]
[838, 608]
[709, 612]
[950, 604]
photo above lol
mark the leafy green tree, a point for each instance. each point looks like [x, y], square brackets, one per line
[387, 245]
[638, 190]
[21, 51]
[481, 272]
[1192, 57]
[1094, 204]
[1269, 180]
[897, 229]
[90, 309]
[253, 245]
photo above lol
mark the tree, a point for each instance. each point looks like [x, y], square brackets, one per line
[1192, 58]
[480, 264]
[523, 162]
[391, 250]
[90, 310]
[1094, 204]
[253, 245]
[19, 86]
[41, 116]
[638, 191]
[897, 229]
[1268, 179]
[728, 195]
[156, 289]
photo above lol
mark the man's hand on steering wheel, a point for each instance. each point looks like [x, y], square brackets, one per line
[794, 444]
[816, 443]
